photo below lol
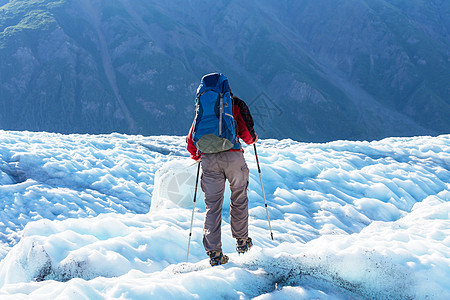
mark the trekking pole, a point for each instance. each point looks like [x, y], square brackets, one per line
[262, 188]
[193, 208]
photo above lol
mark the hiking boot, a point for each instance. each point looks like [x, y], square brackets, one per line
[217, 258]
[243, 245]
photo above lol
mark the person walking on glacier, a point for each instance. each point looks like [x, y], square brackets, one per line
[220, 120]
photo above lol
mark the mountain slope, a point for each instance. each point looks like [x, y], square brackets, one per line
[309, 70]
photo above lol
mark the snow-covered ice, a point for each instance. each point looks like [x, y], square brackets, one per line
[108, 216]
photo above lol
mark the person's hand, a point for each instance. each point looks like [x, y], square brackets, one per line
[256, 140]
[197, 158]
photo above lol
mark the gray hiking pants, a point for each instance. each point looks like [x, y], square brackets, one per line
[216, 169]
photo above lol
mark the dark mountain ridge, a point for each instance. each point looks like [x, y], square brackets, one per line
[311, 71]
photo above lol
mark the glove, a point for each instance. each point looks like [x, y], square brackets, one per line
[254, 142]
[196, 157]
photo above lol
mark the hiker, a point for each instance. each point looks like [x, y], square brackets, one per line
[223, 161]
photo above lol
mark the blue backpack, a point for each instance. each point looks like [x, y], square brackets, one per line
[214, 126]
